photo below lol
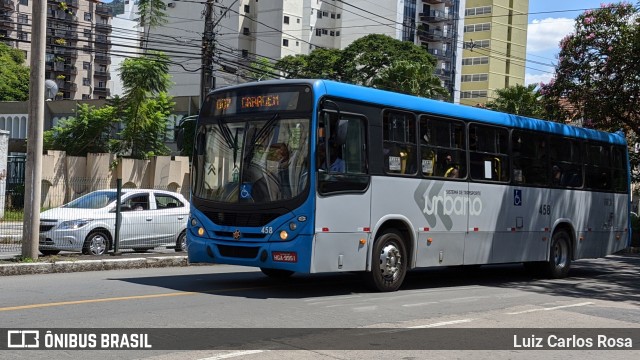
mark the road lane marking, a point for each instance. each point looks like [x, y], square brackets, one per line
[234, 354]
[551, 308]
[124, 298]
[420, 304]
[444, 323]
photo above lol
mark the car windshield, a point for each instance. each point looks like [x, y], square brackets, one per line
[94, 200]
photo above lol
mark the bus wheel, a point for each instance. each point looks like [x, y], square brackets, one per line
[388, 263]
[559, 256]
[276, 273]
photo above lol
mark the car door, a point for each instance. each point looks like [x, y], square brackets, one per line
[138, 227]
[170, 217]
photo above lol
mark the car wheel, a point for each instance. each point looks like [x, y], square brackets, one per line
[277, 273]
[388, 262]
[49, 252]
[181, 243]
[96, 243]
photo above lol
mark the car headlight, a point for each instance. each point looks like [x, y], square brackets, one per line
[74, 224]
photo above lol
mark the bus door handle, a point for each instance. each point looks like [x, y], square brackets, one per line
[149, 219]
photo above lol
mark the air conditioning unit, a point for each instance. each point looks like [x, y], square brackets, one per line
[171, 5]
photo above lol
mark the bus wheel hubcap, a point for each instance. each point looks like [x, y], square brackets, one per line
[390, 261]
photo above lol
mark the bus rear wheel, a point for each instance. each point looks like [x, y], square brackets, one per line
[276, 273]
[388, 262]
[559, 256]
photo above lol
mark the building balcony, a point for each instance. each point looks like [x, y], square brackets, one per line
[104, 91]
[102, 42]
[104, 28]
[65, 69]
[435, 16]
[432, 35]
[72, 3]
[436, 2]
[445, 73]
[7, 4]
[102, 74]
[103, 10]
[66, 86]
[103, 58]
[6, 22]
[439, 53]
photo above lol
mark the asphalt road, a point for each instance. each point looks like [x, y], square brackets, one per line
[600, 293]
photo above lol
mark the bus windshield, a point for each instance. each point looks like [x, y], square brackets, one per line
[252, 160]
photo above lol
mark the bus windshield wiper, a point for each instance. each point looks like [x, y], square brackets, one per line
[232, 141]
[260, 134]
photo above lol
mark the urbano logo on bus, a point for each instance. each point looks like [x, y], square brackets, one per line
[434, 202]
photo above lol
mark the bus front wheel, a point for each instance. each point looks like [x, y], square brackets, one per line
[388, 262]
[559, 256]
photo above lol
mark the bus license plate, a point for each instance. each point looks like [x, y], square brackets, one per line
[281, 256]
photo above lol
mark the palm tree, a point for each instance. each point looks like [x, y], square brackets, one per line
[519, 100]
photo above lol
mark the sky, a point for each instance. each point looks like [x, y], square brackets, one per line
[549, 22]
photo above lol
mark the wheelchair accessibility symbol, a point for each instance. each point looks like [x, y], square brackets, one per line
[517, 197]
[245, 191]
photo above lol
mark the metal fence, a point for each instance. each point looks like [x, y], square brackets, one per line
[79, 215]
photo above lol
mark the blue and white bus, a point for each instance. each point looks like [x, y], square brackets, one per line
[316, 176]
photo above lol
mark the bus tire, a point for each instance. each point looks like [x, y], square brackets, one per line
[388, 262]
[559, 256]
[276, 273]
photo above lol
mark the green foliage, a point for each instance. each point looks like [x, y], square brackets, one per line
[88, 132]
[373, 60]
[262, 69]
[151, 13]
[597, 72]
[411, 78]
[519, 100]
[145, 107]
[14, 75]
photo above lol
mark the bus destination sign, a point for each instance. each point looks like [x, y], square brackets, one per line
[298, 99]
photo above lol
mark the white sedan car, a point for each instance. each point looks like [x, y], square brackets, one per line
[149, 219]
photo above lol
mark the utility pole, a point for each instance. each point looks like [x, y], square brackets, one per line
[207, 81]
[33, 173]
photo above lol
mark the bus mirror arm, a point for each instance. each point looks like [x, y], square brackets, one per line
[341, 136]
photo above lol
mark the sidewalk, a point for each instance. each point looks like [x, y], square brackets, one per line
[75, 262]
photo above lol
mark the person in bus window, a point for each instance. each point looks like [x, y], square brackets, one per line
[336, 162]
[556, 176]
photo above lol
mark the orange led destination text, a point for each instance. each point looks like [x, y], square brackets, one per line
[260, 101]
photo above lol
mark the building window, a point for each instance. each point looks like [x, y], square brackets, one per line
[325, 32]
[325, 13]
[87, 33]
[478, 11]
[285, 42]
[23, 36]
[333, 15]
[86, 65]
[337, 16]
[477, 27]
[337, 33]
[86, 97]
[477, 44]
[246, 31]
[318, 32]
[286, 19]
[319, 14]
[247, 9]
[23, 19]
[245, 53]
[298, 21]
[297, 43]
[86, 81]
[475, 61]
[332, 33]
[24, 2]
[474, 77]
[473, 94]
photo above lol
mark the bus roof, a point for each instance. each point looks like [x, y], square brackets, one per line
[414, 103]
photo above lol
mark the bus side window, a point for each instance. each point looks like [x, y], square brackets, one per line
[399, 142]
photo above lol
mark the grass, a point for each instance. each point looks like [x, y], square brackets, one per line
[13, 215]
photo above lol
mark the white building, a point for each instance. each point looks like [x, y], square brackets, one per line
[125, 44]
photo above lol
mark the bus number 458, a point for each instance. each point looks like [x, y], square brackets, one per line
[545, 209]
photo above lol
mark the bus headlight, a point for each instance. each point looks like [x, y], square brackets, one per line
[293, 226]
[284, 235]
[200, 231]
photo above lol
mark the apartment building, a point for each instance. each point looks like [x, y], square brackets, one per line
[78, 43]
[495, 38]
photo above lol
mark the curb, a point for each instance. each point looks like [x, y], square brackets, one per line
[92, 265]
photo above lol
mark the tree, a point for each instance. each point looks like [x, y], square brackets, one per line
[151, 13]
[14, 75]
[598, 70]
[87, 132]
[261, 69]
[145, 107]
[411, 78]
[373, 60]
[519, 100]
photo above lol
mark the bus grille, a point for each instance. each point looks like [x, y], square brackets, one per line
[241, 219]
[238, 251]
